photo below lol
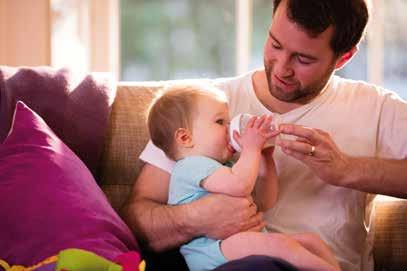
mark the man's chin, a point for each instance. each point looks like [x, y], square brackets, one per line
[284, 95]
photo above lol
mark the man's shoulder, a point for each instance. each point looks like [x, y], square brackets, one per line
[351, 87]
[342, 82]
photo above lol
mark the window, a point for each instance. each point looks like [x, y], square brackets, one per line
[262, 11]
[176, 39]
[382, 58]
[70, 35]
[394, 46]
[191, 38]
[85, 35]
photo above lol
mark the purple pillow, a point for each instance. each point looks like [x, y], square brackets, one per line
[49, 200]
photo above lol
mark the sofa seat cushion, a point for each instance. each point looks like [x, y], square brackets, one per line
[50, 200]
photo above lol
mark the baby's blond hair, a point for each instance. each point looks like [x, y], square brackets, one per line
[174, 109]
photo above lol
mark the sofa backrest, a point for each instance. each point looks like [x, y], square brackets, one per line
[126, 138]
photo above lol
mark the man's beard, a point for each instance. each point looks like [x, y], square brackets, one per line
[301, 94]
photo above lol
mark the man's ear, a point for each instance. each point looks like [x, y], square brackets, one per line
[346, 57]
[183, 137]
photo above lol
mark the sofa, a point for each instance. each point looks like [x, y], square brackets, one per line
[127, 135]
[80, 115]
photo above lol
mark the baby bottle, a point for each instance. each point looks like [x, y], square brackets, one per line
[239, 122]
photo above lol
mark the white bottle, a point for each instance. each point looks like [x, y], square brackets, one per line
[239, 122]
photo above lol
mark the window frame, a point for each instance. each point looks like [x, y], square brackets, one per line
[104, 38]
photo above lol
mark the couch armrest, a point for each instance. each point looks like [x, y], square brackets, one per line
[390, 245]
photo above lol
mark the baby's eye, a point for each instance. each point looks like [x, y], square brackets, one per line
[220, 121]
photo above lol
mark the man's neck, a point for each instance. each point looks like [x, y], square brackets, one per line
[273, 104]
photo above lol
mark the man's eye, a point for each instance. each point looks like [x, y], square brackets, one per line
[275, 45]
[304, 60]
[220, 121]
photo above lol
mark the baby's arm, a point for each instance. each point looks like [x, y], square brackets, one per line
[266, 189]
[237, 181]
[240, 179]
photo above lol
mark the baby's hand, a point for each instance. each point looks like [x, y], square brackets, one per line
[256, 133]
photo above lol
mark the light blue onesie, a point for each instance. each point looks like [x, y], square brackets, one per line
[201, 253]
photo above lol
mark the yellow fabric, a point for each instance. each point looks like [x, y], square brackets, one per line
[142, 266]
[4, 265]
[7, 267]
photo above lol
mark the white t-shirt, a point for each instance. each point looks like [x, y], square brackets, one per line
[363, 120]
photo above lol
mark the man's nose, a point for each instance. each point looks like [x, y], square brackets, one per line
[283, 66]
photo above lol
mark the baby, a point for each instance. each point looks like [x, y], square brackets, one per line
[190, 124]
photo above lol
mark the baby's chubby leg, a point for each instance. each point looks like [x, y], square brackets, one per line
[274, 244]
[316, 245]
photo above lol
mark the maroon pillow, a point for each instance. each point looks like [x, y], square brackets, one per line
[77, 108]
[49, 199]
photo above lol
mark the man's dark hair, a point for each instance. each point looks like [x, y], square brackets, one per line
[348, 17]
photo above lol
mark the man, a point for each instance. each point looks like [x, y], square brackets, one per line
[342, 142]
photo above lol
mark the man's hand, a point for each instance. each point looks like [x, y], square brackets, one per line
[318, 151]
[222, 216]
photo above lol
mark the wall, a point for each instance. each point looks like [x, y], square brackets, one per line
[25, 32]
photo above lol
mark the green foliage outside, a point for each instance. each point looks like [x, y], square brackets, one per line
[177, 39]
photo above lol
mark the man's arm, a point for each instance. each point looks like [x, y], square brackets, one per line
[160, 226]
[378, 176]
[372, 175]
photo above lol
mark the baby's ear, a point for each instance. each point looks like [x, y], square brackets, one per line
[183, 137]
